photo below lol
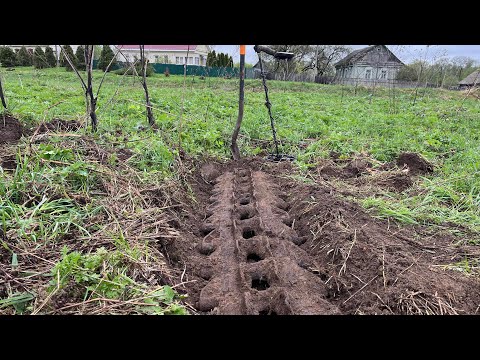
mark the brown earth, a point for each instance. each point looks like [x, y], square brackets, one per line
[415, 163]
[11, 130]
[58, 125]
[8, 162]
[258, 242]
[361, 173]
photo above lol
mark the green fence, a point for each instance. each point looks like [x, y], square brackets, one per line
[196, 70]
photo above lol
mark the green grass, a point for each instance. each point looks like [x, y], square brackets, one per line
[36, 202]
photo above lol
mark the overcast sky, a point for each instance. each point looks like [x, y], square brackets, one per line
[406, 53]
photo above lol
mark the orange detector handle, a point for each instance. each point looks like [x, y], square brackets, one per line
[242, 49]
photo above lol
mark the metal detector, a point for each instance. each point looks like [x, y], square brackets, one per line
[281, 55]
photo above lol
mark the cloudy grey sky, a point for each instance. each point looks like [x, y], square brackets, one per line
[406, 53]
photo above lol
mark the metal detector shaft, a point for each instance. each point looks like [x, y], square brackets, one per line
[268, 104]
[241, 100]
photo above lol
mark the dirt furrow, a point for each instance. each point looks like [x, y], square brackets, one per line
[250, 245]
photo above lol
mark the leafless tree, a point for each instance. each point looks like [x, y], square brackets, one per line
[90, 98]
[148, 105]
[322, 57]
[420, 73]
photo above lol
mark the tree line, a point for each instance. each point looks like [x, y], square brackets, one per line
[219, 60]
[443, 72]
[40, 59]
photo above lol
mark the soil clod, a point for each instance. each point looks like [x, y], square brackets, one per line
[415, 163]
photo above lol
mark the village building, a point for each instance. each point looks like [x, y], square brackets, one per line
[373, 64]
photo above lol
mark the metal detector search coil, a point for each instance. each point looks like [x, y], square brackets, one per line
[279, 157]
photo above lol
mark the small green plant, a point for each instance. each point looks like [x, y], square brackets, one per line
[18, 300]
[105, 274]
[50, 152]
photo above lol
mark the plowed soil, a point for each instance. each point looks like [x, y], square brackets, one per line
[11, 130]
[256, 241]
[58, 125]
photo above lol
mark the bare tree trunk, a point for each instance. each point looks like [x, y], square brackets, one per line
[58, 55]
[416, 86]
[89, 92]
[4, 103]
[234, 146]
[148, 105]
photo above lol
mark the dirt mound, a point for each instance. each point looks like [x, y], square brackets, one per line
[415, 163]
[352, 169]
[58, 125]
[11, 130]
[258, 242]
[397, 181]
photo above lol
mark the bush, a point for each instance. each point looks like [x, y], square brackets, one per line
[68, 49]
[39, 60]
[105, 57]
[50, 57]
[128, 70]
[80, 54]
[24, 58]
[8, 58]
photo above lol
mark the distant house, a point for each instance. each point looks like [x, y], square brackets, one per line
[374, 63]
[470, 81]
[167, 54]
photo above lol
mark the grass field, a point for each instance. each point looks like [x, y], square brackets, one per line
[40, 203]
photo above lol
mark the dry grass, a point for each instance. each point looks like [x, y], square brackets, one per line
[125, 220]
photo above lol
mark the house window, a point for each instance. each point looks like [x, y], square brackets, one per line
[367, 74]
[383, 75]
[165, 59]
[156, 58]
[197, 60]
[179, 60]
[190, 60]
